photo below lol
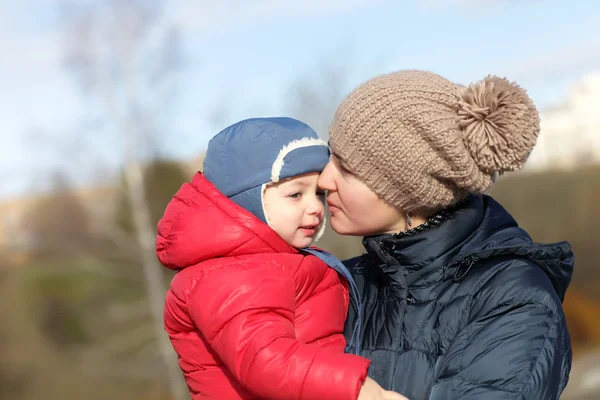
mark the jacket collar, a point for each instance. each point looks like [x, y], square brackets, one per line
[476, 229]
[404, 260]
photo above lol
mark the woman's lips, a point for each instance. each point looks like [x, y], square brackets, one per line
[332, 207]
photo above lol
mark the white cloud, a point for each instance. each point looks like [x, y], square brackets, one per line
[570, 131]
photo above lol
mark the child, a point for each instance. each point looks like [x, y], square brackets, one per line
[250, 315]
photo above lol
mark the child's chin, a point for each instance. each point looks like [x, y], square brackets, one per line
[301, 243]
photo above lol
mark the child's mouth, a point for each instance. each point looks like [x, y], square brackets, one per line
[308, 230]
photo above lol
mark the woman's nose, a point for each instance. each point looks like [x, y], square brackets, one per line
[325, 181]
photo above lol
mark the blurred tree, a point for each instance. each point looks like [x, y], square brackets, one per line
[124, 55]
[314, 100]
[12, 376]
[58, 223]
[32, 366]
[582, 318]
[61, 323]
[162, 179]
[12, 380]
[560, 205]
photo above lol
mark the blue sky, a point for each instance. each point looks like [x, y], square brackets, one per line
[243, 58]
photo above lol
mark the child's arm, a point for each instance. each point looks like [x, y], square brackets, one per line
[246, 313]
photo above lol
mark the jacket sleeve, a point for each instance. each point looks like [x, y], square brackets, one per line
[247, 315]
[516, 349]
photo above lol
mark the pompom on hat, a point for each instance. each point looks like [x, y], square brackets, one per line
[423, 143]
[500, 124]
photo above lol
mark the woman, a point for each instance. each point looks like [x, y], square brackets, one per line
[457, 301]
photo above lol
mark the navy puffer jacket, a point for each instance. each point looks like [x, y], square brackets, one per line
[469, 309]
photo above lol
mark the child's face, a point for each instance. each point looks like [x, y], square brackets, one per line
[294, 208]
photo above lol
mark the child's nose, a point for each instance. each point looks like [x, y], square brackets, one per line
[316, 206]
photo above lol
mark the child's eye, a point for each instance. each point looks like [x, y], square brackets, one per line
[295, 195]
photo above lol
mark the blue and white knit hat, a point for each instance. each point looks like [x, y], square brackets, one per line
[245, 157]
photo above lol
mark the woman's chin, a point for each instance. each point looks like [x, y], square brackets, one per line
[342, 227]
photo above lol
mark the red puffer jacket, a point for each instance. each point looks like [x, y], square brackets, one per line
[249, 316]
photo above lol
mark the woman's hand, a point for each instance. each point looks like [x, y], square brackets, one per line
[371, 390]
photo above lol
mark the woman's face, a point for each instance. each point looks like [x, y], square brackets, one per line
[355, 209]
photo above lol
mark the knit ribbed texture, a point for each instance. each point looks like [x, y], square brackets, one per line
[423, 143]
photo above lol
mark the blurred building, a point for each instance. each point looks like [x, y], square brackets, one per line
[570, 132]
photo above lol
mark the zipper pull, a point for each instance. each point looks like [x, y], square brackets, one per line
[468, 264]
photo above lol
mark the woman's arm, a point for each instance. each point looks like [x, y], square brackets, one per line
[517, 346]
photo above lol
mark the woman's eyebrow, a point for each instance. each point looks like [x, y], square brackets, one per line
[339, 160]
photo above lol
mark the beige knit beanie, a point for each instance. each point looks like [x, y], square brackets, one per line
[423, 143]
